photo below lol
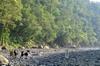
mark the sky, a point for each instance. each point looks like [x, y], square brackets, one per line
[95, 0]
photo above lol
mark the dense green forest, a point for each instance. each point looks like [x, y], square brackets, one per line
[49, 22]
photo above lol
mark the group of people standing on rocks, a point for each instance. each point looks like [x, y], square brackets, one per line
[22, 53]
[19, 53]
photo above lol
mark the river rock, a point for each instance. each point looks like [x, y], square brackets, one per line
[3, 60]
[46, 47]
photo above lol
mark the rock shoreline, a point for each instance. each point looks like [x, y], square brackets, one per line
[57, 57]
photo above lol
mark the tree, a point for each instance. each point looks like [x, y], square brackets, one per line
[10, 13]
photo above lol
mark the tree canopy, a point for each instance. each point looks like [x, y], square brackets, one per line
[49, 22]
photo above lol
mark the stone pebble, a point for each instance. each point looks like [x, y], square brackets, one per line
[80, 58]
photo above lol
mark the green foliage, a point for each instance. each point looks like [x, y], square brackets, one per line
[10, 12]
[60, 22]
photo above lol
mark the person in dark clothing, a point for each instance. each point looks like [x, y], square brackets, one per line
[14, 53]
[23, 53]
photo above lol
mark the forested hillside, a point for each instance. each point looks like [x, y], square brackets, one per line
[49, 22]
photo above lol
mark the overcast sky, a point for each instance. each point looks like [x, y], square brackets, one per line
[95, 0]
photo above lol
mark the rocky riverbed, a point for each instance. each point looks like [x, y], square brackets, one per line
[57, 57]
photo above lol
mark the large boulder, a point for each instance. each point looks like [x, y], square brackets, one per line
[3, 60]
[46, 47]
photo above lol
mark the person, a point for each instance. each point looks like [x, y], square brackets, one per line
[25, 53]
[14, 53]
